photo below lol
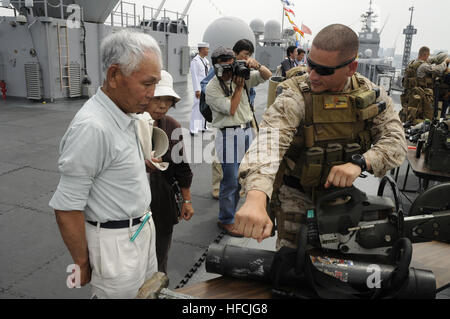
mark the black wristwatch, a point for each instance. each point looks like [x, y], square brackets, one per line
[359, 160]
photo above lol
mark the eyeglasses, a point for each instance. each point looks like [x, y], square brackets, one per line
[326, 70]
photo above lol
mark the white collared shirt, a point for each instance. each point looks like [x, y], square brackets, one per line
[102, 165]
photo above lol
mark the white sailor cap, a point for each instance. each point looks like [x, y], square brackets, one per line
[203, 45]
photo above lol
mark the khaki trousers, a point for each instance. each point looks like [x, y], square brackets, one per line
[119, 266]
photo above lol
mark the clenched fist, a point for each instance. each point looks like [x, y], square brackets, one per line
[343, 175]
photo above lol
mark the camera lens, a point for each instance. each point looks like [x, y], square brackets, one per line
[240, 69]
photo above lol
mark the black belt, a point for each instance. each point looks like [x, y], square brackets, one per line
[242, 126]
[117, 224]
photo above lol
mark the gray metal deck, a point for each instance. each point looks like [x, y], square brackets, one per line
[33, 257]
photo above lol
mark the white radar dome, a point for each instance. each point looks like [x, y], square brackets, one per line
[272, 30]
[257, 26]
[226, 31]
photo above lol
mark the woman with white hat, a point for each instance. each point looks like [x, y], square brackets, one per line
[164, 184]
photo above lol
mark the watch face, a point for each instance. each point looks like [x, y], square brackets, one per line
[358, 159]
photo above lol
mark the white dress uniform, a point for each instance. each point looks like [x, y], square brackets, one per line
[199, 70]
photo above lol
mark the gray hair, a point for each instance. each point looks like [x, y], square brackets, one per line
[127, 49]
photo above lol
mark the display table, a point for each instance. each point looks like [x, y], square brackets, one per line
[417, 165]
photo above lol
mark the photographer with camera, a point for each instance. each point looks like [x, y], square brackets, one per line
[244, 49]
[226, 95]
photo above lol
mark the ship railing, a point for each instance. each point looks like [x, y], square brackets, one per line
[63, 8]
[125, 19]
[125, 15]
[170, 22]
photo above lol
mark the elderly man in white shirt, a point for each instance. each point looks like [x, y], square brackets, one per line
[103, 197]
[199, 70]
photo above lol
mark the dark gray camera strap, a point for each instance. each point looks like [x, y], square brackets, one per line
[227, 91]
[252, 108]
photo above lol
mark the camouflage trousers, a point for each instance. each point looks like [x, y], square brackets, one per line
[289, 206]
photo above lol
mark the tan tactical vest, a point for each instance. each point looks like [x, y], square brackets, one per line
[417, 98]
[335, 127]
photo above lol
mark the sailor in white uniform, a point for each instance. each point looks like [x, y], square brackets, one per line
[199, 70]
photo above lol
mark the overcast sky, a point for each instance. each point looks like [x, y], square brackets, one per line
[431, 17]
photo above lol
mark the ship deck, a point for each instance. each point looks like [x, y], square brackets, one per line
[33, 256]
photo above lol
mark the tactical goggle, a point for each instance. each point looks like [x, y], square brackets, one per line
[326, 70]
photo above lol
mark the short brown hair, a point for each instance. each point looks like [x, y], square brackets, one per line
[337, 37]
[424, 50]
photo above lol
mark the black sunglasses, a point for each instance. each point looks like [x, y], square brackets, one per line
[326, 70]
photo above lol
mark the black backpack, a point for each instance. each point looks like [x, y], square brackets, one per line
[205, 110]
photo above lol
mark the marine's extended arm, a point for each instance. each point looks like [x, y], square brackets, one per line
[260, 165]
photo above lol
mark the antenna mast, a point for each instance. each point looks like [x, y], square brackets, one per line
[408, 32]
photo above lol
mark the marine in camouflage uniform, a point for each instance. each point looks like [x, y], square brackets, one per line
[418, 97]
[267, 156]
[281, 121]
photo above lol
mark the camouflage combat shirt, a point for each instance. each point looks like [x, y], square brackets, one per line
[279, 126]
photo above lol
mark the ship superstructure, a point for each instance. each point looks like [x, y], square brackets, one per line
[51, 47]
[370, 65]
[369, 37]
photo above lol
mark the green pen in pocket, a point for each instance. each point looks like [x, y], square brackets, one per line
[147, 216]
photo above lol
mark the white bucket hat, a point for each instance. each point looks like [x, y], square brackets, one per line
[165, 86]
[154, 141]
